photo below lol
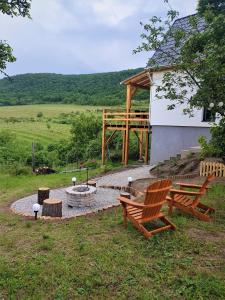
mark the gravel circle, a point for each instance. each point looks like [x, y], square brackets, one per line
[103, 199]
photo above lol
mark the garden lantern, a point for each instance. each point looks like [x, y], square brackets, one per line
[130, 180]
[74, 179]
[36, 208]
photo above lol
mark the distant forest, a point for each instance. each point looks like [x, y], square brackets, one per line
[88, 89]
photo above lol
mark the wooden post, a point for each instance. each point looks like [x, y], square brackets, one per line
[123, 146]
[146, 147]
[141, 146]
[52, 208]
[126, 152]
[128, 105]
[128, 99]
[43, 193]
[103, 137]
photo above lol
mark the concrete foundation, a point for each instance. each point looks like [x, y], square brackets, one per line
[168, 141]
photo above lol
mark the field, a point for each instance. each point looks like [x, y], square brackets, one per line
[44, 131]
[48, 110]
[94, 257]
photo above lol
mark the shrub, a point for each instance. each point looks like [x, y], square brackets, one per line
[216, 146]
[39, 114]
[18, 169]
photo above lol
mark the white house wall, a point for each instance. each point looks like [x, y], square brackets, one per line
[172, 131]
[160, 115]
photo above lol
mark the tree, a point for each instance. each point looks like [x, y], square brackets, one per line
[197, 57]
[216, 5]
[12, 8]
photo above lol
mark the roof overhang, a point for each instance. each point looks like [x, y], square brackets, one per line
[141, 80]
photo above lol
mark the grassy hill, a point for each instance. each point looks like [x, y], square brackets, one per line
[23, 122]
[88, 89]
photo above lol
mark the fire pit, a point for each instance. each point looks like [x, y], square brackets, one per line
[80, 195]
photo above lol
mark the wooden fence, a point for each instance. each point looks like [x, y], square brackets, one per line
[207, 168]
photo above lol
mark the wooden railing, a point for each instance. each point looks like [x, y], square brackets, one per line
[122, 117]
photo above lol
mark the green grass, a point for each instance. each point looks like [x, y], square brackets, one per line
[48, 110]
[28, 131]
[94, 257]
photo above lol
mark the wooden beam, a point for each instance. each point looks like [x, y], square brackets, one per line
[141, 146]
[123, 147]
[141, 86]
[146, 147]
[128, 99]
[110, 138]
[126, 152]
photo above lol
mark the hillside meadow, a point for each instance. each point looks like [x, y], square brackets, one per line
[23, 121]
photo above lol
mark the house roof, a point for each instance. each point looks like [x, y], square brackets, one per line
[164, 56]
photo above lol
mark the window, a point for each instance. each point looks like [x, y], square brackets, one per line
[208, 115]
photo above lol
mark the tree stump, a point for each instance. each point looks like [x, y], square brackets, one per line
[43, 193]
[125, 195]
[92, 183]
[52, 208]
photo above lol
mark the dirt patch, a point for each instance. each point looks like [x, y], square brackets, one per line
[178, 166]
[142, 184]
[206, 236]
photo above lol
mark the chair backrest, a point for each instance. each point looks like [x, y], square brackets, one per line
[206, 183]
[155, 197]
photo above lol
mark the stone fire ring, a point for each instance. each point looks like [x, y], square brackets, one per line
[76, 198]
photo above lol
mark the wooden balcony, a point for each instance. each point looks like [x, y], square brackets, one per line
[124, 121]
[135, 120]
[131, 119]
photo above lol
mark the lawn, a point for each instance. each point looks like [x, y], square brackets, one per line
[94, 257]
[43, 131]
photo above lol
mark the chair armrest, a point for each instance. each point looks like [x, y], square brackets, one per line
[168, 198]
[190, 185]
[130, 202]
[187, 193]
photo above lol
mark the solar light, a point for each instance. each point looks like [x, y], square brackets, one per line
[74, 179]
[220, 104]
[36, 208]
[129, 179]
[211, 105]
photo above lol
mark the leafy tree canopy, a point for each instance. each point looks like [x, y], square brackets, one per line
[217, 6]
[12, 8]
[93, 89]
[15, 7]
[197, 57]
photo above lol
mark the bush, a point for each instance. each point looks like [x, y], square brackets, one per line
[18, 169]
[39, 114]
[216, 146]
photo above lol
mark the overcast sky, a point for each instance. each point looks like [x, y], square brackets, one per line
[82, 36]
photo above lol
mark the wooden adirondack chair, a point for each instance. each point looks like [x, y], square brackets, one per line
[139, 213]
[189, 201]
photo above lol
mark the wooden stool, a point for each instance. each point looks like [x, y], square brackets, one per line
[52, 208]
[43, 193]
[125, 195]
[92, 183]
